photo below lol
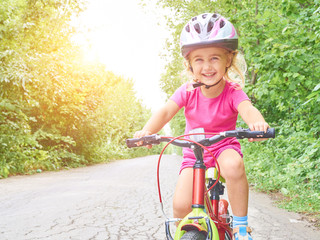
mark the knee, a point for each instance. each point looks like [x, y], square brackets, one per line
[181, 207]
[234, 169]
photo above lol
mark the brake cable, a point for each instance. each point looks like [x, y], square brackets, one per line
[189, 140]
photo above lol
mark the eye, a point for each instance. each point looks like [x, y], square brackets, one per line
[197, 60]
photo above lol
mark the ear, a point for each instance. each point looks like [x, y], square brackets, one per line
[188, 66]
[229, 59]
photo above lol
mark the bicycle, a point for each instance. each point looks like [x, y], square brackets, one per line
[209, 218]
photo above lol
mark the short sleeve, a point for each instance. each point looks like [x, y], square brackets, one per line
[180, 96]
[238, 96]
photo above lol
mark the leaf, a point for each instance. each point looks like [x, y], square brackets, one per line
[292, 86]
[295, 75]
[284, 30]
[316, 88]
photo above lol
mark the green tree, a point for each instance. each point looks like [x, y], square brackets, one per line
[57, 110]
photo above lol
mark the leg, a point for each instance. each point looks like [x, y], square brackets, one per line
[232, 169]
[182, 198]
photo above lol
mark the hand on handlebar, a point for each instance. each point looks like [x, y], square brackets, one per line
[140, 134]
[258, 126]
[144, 138]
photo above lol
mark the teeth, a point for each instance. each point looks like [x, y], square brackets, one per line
[208, 75]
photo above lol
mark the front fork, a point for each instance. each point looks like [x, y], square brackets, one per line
[199, 219]
[196, 220]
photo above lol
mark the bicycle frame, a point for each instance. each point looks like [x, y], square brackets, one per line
[206, 213]
[204, 216]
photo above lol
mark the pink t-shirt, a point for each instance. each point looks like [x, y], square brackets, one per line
[213, 114]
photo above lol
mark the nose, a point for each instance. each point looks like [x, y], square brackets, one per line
[207, 65]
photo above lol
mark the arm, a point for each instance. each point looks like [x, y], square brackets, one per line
[253, 118]
[159, 119]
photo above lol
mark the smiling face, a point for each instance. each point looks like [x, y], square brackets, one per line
[209, 64]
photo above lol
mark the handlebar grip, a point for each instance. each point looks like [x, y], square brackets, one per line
[271, 133]
[146, 140]
[132, 142]
[257, 134]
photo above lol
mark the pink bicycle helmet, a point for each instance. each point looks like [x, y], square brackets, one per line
[208, 30]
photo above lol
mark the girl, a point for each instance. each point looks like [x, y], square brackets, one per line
[208, 44]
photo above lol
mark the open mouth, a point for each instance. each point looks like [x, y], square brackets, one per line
[208, 75]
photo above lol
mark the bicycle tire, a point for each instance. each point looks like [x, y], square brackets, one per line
[193, 235]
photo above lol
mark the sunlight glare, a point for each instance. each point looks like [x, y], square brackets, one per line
[128, 40]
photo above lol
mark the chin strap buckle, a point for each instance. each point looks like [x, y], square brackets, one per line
[199, 84]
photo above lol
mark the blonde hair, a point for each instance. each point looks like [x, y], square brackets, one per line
[237, 70]
[235, 73]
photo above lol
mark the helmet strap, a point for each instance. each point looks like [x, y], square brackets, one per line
[199, 84]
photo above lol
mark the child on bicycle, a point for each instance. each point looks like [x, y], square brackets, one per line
[213, 101]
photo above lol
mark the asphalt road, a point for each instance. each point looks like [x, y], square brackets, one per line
[116, 201]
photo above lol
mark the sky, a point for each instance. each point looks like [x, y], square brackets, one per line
[128, 39]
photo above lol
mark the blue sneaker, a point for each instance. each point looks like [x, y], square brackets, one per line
[242, 232]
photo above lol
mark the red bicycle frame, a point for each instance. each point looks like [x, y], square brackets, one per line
[217, 208]
[209, 211]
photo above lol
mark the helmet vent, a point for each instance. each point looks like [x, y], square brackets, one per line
[187, 28]
[194, 18]
[210, 26]
[222, 23]
[215, 15]
[197, 28]
[204, 16]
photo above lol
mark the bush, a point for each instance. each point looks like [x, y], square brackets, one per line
[57, 111]
[290, 164]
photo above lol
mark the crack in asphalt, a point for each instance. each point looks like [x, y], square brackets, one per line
[117, 201]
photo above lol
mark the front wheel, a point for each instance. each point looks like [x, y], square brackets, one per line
[193, 235]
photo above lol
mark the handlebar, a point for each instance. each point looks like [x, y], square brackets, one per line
[238, 133]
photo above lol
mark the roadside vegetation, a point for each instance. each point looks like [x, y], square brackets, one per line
[280, 40]
[57, 110]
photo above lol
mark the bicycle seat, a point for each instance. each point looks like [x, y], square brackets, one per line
[212, 173]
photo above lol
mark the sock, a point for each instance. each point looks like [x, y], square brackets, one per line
[237, 221]
[240, 221]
